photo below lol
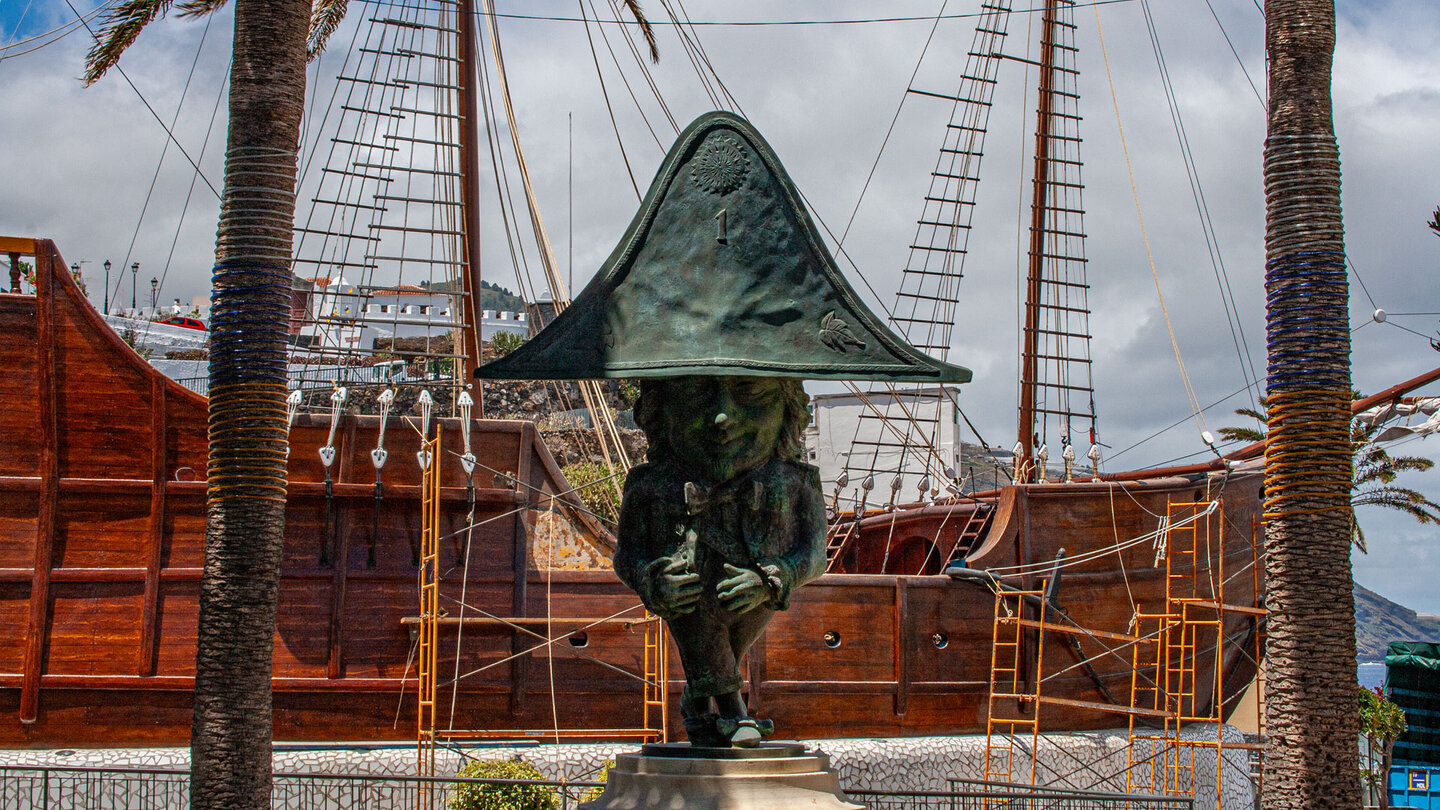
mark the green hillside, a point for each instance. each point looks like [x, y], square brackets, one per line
[493, 296]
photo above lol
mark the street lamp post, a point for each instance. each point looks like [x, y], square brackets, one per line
[107, 286]
[134, 271]
[154, 290]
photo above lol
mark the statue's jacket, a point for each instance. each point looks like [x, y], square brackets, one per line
[770, 520]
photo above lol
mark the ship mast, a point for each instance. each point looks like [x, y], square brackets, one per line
[1055, 367]
[1039, 209]
[469, 50]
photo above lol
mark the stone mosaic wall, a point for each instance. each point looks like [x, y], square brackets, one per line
[1085, 761]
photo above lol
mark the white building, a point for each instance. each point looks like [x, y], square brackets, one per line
[342, 315]
[837, 433]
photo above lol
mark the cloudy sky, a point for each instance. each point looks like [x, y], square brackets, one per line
[79, 165]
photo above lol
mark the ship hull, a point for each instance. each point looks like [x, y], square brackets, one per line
[102, 520]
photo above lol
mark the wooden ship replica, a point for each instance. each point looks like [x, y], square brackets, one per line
[1091, 601]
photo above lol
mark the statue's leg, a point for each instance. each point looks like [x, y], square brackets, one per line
[735, 721]
[710, 673]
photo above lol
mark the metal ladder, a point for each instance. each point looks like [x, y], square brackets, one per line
[657, 659]
[1010, 691]
[425, 795]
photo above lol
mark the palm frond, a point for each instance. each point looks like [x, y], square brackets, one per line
[199, 8]
[1258, 416]
[1403, 499]
[633, 6]
[1239, 434]
[1434, 222]
[122, 25]
[325, 17]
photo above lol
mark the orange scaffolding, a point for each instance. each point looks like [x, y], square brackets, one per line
[1194, 617]
[1166, 691]
[432, 618]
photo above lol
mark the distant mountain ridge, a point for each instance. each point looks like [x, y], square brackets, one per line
[1378, 621]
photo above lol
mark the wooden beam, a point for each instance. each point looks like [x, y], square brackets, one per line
[520, 549]
[902, 654]
[1101, 707]
[39, 622]
[335, 664]
[566, 622]
[17, 244]
[155, 540]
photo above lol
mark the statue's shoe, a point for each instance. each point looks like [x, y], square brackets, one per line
[744, 732]
[746, 736]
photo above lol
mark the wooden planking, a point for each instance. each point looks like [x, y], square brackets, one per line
[106, 431]
[177, 613]
[862, 615]
[90, 625]
[19, 418]
[18, 511]
[14, 622]
[184, 535]
[960, 614]
[302, 630]
[901, 647]
[96, 531]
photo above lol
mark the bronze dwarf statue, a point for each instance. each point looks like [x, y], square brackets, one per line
[720, 298]
[717, 529]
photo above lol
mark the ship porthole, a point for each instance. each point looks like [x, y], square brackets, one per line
[579, 639]
[832, 639]
[940, 640]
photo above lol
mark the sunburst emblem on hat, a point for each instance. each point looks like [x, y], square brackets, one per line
[720, 165]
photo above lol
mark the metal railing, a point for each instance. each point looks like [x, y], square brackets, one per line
[87, 788]
[78, 788]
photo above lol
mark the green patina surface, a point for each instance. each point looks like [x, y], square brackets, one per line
[720, 272]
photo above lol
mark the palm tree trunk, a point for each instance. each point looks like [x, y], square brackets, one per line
[231, 732]
[1312, 715]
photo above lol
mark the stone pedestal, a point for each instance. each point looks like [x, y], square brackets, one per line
[678, 776]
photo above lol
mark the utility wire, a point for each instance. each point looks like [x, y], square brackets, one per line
[143, 100]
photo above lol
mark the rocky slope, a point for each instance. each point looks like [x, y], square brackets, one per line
[1378, 621]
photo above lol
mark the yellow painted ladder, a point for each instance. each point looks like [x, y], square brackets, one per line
[657, 659]
[1012, 692]
[429, 620]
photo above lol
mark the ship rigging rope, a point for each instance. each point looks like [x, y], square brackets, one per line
[551, 641]
[1196, 412]
[146, 102]
[590, 392]
[1094, 554]
[409, 421]
[464, 585]
[53, 35]
[606, 94]
[860, 198]
[1197, 193]
[189, 194]
[773, 23]
[644, 73]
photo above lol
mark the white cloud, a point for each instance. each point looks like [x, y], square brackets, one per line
[77, 164]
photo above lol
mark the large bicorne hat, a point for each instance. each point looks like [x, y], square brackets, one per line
[721, 272]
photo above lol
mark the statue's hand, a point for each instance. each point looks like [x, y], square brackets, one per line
[676, 588]
[742, 590]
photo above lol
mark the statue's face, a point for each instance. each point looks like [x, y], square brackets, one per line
[724, 426]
